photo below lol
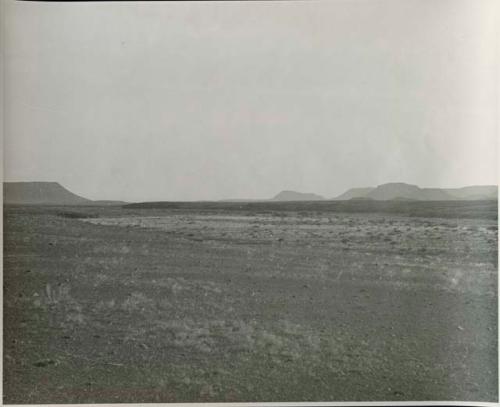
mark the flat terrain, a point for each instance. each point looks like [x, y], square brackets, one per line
[241, 302]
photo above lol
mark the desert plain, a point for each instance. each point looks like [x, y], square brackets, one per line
[194, 302]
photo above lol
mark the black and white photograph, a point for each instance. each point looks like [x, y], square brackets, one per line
[263, 201]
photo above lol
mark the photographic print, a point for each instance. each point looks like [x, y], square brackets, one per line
[263, 201]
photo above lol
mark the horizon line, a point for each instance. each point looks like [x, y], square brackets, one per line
[320, 197]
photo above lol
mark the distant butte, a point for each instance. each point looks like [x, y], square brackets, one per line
[45, 193]
[402, 191]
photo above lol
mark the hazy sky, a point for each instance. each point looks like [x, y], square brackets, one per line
[211, 100]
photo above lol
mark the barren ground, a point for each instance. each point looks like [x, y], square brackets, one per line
[234, 303]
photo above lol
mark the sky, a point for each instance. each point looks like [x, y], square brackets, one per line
[215, 100]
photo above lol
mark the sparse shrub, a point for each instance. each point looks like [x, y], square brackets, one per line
[59, 298]
[272, 343]
[57, 294]
[104, 305]
[136, 301]
[76, 317]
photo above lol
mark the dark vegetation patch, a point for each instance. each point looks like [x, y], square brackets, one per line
[430, 209]
[76, 215]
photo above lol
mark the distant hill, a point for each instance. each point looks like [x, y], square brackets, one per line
[434, 194]
[402, 191]
[45, 193]
[475, 192]
[297, 196]
[355, 193]
[360, 198]
[40, 193]
[242, 200]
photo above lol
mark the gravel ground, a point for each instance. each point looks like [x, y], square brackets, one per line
[290, 303]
